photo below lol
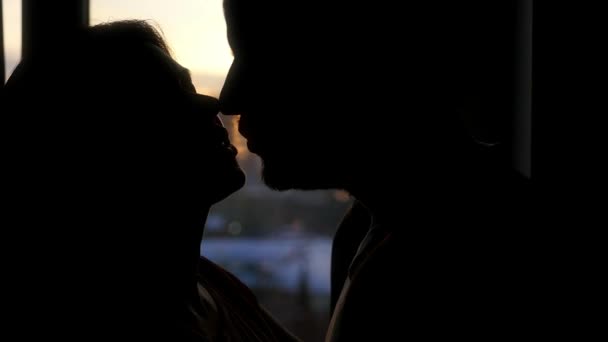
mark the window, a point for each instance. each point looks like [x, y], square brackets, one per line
[12, 34]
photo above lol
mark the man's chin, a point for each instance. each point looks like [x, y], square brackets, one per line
[291, 179]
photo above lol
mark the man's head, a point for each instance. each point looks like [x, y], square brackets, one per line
[331, 93]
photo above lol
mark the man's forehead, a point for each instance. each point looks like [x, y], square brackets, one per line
[288, 13]
[257, 29]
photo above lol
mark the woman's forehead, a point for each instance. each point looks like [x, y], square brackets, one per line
[163, 58]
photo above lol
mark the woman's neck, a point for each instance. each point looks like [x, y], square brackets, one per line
[169, 254]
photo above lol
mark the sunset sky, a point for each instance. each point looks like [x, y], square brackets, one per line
[195, 30]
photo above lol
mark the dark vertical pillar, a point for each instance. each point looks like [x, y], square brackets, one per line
[522, 116]
[46, 22]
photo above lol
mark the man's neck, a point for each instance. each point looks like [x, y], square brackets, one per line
[391, 195]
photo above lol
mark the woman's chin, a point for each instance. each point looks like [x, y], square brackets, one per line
[226, 184]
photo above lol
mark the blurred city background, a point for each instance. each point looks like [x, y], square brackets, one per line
[278, 243]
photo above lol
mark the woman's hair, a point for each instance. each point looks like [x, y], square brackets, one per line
[116, 66]
[101, 48]
[127, 32]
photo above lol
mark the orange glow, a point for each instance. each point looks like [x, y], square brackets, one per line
[194, 29]
[236, 138]
[341, 196]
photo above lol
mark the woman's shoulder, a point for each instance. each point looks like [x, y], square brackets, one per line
[240, 316]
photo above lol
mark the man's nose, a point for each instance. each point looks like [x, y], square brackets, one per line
[229, 103]
[231, 96]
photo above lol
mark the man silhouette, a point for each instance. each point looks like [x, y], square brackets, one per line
[371, 99]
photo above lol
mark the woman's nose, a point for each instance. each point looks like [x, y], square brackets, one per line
[206, 105]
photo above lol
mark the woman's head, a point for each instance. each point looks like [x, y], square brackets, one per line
[133, 111]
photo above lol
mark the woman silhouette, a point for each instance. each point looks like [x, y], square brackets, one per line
[114, 161]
